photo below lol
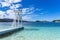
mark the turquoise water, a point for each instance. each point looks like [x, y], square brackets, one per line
[35, 31]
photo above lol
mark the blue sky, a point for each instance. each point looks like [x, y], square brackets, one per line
[31, 9]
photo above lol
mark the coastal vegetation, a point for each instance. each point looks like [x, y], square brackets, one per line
[41, 21]
[11, 20]
[56, 21]
[48, 21]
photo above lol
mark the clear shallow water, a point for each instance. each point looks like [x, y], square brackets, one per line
[35, 31]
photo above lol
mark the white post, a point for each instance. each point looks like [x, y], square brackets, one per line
[19, 18]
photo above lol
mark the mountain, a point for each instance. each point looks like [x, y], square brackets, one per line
[56, 21]
[41, 21]
[8, 20]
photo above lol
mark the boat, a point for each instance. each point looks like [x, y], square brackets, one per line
[14, 24]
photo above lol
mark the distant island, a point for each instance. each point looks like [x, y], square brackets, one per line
[47, 21]
[56, 21]
[11, 20]
[41, 21]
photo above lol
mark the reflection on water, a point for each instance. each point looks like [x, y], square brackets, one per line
[32, 29]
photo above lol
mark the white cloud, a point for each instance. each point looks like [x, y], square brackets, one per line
[13, 1]
[26, 17]
[30, 13]
[15, 6]
[9, 2]
[2, 14]
[11, 14]
[27, 10]
[24, 10]
[4, 4]
[39, 9]
[31, 8]
[29, 17]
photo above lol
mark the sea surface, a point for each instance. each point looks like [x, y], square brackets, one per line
[34, 31]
